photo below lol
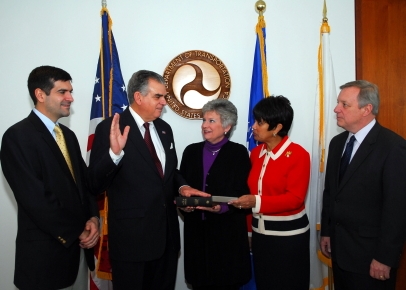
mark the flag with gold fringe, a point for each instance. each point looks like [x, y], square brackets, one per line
[259, 80]
[109, 97]
[323, 130]
[259, 90]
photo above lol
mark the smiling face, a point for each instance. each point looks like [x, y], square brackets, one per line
[212, 129]
[349, 116]
[57, 103]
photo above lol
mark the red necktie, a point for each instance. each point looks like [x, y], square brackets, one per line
[150, 145]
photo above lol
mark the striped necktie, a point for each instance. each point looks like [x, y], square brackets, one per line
[60, 140]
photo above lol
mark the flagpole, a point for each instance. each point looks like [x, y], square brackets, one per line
[260, 7]
[325, 19]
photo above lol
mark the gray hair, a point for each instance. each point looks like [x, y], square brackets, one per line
[226, 110]
[368, 94]
[139, 82]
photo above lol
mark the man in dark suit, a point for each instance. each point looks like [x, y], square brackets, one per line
[138, 168]
[57, 217]
[363, 223]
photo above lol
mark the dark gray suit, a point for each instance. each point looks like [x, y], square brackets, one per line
[52, 208]
[142, 219]
[365, 214]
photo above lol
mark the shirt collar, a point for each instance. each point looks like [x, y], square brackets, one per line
[47, 122]
[278, 150]
[140, 122]
[361, 134]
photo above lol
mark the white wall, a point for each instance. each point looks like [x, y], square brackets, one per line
[149, 34]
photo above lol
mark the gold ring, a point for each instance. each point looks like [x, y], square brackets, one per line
[381, 277]
[240, 206]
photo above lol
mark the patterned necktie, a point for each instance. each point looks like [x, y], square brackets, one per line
[60, 140]
[345, 159]
[150, 145]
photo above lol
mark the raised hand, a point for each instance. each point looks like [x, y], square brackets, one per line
[117, 140]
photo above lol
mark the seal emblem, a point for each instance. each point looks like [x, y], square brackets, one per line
[192, 79]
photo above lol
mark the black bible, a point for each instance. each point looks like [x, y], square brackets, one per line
[194, 201]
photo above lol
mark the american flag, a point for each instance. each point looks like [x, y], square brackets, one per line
[109, 97]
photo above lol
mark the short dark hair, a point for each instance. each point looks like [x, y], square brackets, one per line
[44, 78]
[139, 83]
[274, 111]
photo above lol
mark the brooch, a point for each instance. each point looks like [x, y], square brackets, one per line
[287, 154]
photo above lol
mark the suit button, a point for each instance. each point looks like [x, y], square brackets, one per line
[164, 204]
[337, 224]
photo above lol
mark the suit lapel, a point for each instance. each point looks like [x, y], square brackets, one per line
[76, 162]
[335, 155]
[50, 141]
[167, 144]
[362, 153]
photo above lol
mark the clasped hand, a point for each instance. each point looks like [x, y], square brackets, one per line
[90, 235]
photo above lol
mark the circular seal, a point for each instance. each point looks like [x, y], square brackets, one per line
[192, 79]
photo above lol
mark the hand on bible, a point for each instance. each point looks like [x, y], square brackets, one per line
[188, 191]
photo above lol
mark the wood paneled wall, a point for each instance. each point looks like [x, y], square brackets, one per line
[381, 59]
[381, 56]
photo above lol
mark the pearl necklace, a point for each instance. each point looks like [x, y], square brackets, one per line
[214, 152]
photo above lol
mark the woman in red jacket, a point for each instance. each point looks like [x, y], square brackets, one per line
[278, 183]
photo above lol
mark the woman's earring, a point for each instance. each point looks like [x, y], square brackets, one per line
[225, 132]
[274, 134]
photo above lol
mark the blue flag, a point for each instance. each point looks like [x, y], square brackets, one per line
[259, 90]
[259, 81]
[109, 97]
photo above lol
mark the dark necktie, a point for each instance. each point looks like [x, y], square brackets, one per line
[345, 159]
[150, 145]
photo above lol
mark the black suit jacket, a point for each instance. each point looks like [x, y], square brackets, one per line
[52, 207]
[216, 249]
[365, 214]
[142, 216]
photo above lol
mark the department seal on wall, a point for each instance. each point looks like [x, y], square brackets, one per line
[192, 79]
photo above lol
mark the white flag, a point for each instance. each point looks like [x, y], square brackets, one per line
[323, 130]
